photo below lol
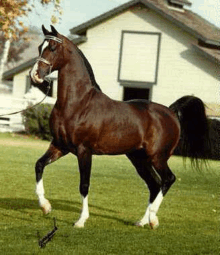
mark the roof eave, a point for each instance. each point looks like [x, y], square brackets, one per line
[181, 2]
[79, 40]
[8, 75]
[81, 29]
[211, 42]
[182, 25]
[208, 55]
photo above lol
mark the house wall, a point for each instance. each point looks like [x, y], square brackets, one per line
[182, 71]
[20, 83]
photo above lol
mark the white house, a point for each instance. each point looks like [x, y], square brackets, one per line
[156, 46]
[153, 49]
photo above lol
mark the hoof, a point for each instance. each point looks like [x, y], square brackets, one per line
[80, 222]
[78, 225]
[46, 207]
[139, 224]
[154, 223]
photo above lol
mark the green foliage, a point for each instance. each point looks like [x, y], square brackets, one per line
[36, 121]
[189, 214]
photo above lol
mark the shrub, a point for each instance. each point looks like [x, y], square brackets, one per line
[36, 121]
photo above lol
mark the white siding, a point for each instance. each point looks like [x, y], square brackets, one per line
[182, 71]
[19, 84]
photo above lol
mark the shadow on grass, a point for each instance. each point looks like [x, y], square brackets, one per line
[22, 204]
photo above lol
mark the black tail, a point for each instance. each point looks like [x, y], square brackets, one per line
[195, 141]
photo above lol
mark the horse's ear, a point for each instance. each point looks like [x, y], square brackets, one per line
[45, 31]
[54, 31]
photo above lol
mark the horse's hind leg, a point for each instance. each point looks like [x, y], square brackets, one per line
[160, 166]
[152, 179]
[52, 154]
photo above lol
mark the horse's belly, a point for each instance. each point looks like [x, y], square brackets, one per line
[117, 144]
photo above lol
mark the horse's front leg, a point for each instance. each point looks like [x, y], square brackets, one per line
[52, 154]
[85, 161]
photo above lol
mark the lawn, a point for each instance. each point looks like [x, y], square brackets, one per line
[189, 214]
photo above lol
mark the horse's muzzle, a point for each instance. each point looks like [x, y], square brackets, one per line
[34, 74]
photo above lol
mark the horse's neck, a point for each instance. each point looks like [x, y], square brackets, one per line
[74, 82]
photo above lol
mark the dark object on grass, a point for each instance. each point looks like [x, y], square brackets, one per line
[42, 242]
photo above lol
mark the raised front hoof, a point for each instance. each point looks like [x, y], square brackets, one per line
[154, 223]
[46, 207]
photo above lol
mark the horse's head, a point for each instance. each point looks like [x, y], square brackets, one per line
[50, 55]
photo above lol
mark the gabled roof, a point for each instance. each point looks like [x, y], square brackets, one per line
[187, 20]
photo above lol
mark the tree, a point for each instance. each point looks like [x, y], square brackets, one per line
[16, 48]
[12, 28]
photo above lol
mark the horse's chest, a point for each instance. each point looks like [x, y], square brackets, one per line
[70, 131]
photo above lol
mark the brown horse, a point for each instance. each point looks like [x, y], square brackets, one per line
[86, 122]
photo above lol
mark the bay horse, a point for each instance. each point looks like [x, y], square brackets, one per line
[86, 122]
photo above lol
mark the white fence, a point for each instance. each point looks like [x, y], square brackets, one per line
[9, 104]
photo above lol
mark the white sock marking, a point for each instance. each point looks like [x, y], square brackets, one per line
[84, 214]
[43, 202]
[145, 219]
[151, 211]
[154, 207]
[40, 192]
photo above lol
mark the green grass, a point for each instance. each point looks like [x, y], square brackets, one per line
[189, 214]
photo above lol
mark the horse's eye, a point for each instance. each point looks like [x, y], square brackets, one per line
[52, 48]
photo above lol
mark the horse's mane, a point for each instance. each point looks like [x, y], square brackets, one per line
[87, 64]
[90, 71]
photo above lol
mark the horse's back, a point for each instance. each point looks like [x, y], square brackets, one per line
[156, 111]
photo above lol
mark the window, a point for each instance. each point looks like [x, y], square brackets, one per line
[139, 57]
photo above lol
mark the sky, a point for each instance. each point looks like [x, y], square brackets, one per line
[76, 12]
